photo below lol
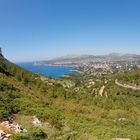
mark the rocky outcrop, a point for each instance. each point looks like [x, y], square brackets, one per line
[36, 122]
[4, 135]
[1, 55]
[101, 91]
[9, 127]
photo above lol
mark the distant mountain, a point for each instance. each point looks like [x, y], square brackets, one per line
[80, 59]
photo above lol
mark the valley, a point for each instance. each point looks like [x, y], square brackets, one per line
[84, 106]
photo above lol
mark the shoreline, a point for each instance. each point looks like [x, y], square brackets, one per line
[70, 69]
[55, 65]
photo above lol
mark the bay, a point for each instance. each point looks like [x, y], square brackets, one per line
[51, 71]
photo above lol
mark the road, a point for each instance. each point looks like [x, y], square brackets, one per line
[126, 86]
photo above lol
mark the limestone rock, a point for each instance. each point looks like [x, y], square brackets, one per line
[36, 122]
[101, 91]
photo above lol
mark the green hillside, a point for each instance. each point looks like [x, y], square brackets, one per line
[90, 109]
[132, 78]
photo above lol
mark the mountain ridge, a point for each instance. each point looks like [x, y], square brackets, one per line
[112, 57]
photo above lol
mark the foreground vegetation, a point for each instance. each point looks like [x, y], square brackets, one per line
[73, 112]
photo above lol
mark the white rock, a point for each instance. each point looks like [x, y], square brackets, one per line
[36, 122]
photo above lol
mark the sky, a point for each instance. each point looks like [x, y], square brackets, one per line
[33, 30]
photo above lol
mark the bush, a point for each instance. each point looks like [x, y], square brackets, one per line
[20, 137]
[34, 134]
[37, 134]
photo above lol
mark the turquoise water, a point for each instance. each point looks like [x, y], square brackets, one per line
[52, 71]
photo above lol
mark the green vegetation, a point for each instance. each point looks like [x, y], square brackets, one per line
[132, 78]
[35, 134]
[74, 112]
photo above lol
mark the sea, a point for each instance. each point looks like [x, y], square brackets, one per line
[51, 71]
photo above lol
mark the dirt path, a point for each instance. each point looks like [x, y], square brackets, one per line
[126, 86]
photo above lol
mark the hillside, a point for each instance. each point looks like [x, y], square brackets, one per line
[80, 59]
[131, 78]
[92, 108]
[97, 65]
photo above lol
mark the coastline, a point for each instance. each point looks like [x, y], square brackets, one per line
[53, 65]
[50, 70]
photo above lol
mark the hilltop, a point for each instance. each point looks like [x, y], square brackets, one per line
[76, 107]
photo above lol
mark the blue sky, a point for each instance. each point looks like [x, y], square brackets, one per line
[42, 29]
